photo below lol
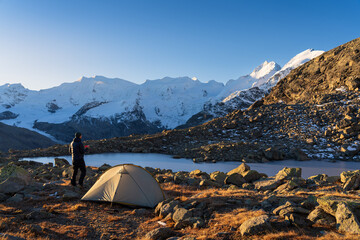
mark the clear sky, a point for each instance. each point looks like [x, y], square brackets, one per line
[44, 43]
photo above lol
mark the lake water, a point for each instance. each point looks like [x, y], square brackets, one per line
[309, 168]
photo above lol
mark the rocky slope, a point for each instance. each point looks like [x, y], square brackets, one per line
[21, 138]
[319, 80]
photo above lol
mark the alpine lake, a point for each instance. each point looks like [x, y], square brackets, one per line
[162, 161]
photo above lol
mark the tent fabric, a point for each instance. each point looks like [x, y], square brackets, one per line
[126, 184]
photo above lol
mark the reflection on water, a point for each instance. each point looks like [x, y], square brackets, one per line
[309, 168]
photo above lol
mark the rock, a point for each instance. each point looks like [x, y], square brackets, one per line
[256, 225]
[240, 169]
[346, 175]
[320, 217]
[70, 195]
[105, 167]
[160, 234]
[352, 183]
[181, 215]
[288, 173]
[235, 179]
[168, 208]
[198, 173]
[14, 171]
[179, 178]
[67, 173]
[61, 162]
[286, 209]
[38, 215]
[12, 185]
[16, 198]
[209, 183]
[297, 219]
[249, 186]
[33, 228]
[3, 197]
[218, 177]
[330, 204]
[300, 155]
[251, 175]
[267, 184]
[346, 220]
[273, 154]
[333, 179]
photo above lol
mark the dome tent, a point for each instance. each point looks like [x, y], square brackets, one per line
[126, 184]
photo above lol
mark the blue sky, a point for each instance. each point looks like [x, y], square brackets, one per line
[44, 43]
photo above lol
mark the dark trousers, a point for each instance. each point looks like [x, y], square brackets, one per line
[82, 175]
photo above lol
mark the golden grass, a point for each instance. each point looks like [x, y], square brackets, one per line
[112, 218]
[235, 218]
[76, 207]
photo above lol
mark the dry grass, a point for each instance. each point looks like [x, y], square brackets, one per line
[235, 218]
[113, 218]
[76, 207]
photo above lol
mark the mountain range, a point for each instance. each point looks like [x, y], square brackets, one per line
[103, 107]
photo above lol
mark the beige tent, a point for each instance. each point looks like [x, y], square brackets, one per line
[126, 184]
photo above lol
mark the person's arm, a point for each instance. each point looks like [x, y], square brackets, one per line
[81, 148]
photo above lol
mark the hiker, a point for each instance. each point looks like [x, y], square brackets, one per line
[77, 151]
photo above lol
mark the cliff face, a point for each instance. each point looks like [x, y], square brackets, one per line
[322, 78]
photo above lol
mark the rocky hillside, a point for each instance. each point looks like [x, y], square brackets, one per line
[319, 80]
[21, 138]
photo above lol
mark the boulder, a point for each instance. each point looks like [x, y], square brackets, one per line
[218, 177]
[160, 234]
[12, 185]
[352, 183]
[256, 225]
[235, 179]
[181, 215]
[346, 175]
[320, 217]
[209, 183]
[105, 167]
[240, 169]
[273, 154]
[330, 204]
[298, 220]
[14, 171]
[287, 209]
[288, 173]
[167, 208]
[16, 198]
[267, 184]
[251, 175]
[346, 220]
[70, 195]
[67, 173]
[300, 155]
[61, 162]
[199, 173]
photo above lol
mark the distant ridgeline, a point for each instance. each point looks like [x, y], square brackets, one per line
[101, 107]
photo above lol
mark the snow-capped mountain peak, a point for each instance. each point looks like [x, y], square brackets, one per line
[302, 58]
[265, 69]
[295, 62]
[257, 77]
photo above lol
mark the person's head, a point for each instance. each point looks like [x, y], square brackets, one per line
[78, 135]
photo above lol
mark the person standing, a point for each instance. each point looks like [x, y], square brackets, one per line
[77, 151]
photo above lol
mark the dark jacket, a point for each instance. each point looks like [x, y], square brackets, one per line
[77, 151]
